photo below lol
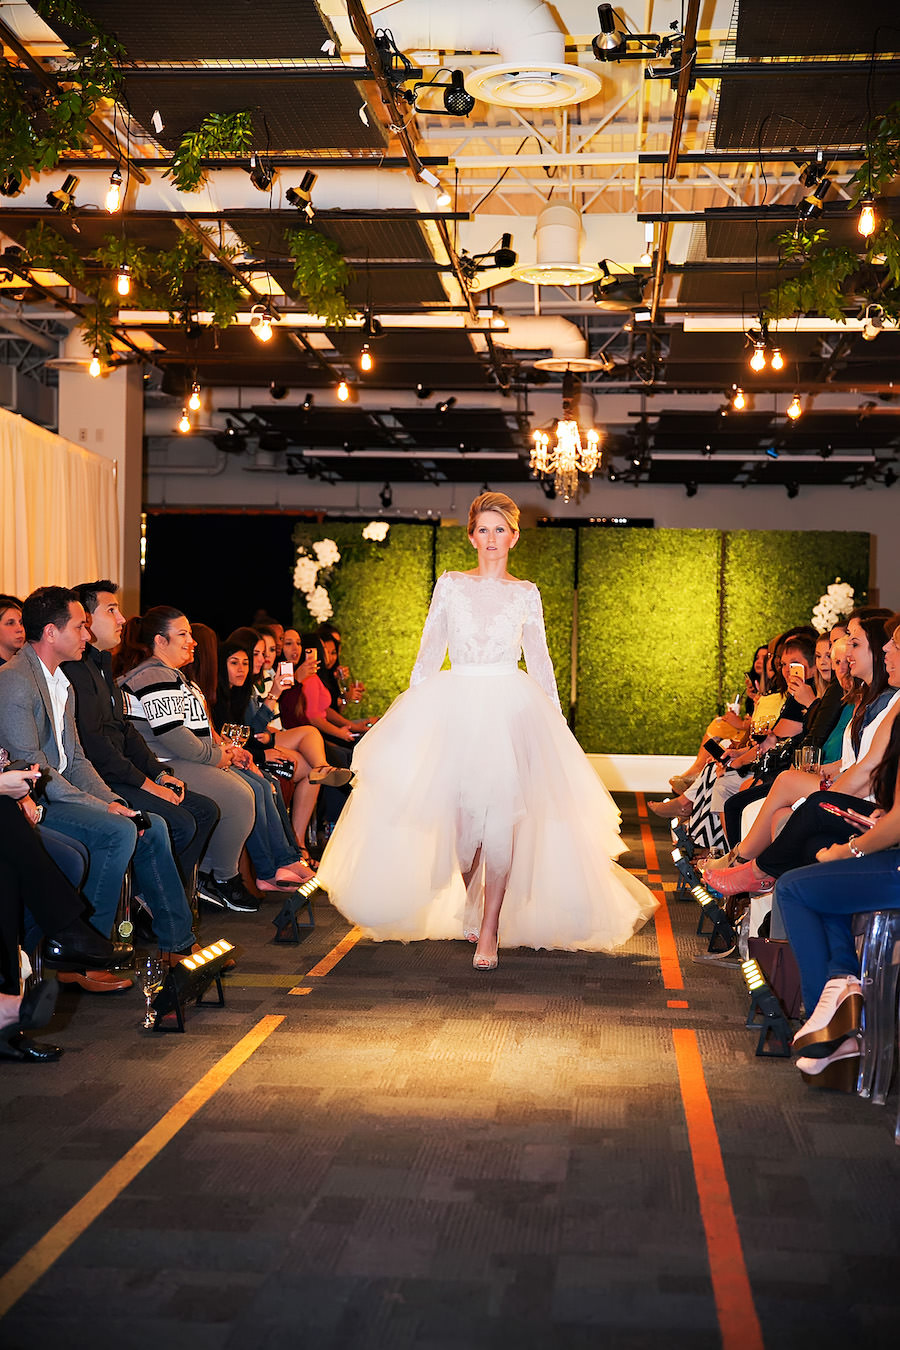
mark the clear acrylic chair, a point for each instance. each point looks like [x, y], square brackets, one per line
[879, 970]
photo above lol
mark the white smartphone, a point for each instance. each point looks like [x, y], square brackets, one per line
[286, 671]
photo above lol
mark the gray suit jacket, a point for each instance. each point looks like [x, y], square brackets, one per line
[27, 732]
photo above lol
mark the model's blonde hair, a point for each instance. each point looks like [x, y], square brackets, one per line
[494, 501]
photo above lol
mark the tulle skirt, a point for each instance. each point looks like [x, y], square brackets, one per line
[476, 765]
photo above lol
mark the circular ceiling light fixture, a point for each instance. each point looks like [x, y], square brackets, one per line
[558, 236]
[578, 364]
[535, 85]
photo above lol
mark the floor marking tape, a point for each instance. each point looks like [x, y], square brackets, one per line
[738, 1322]
[330, 960]
[38, 1260]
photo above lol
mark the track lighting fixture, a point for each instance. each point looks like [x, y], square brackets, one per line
[95, 367]
[261, 323]
[422, 391]
[813, 170]
[308, 402]
[443, 196]
[445, 405]
[114, 192]
[792, 490]
[503, 255]
[262, 175]
[386, 496]
[301, 196]
[690, 488]
[277, 391]
[646, 258]
[63, 199]
[738, 399]
[617, 290]
[609, 44]
[777, 359]
[795, 408]
[10, 184]
[123, 280]
[813, 202]
[194, 400]
[184, 422]
[426, 176]
[867, 218]
[457, 100]
[873, 322]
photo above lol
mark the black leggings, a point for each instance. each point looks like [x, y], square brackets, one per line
[809, 829]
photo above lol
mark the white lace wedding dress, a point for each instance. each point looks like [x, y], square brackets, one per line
[480, 755]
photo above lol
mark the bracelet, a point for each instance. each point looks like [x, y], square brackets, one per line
[857, 853]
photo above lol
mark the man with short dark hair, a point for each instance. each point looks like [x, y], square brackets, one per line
[117, 751]
[37, 725]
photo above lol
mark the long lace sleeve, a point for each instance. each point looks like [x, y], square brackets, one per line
[433, 646]
[534, 646]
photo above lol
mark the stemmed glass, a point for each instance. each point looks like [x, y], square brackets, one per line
[150, 978]
[760, 730]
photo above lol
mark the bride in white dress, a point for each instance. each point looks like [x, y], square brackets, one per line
[475, 813]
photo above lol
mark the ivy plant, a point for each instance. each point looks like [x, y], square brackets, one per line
[321, 275]
[218, 134]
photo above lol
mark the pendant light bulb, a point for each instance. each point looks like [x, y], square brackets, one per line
[114, 192]
[794, 410]
[94, 368]
[263, 330]
[123, 280]
[739, 401]
[866, 223]
[194, 400]
[343, 391]
[366, 360]
[184, 422]
[777, 360]
[758, 359]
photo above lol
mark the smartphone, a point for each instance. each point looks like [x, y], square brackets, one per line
[797, 668]
[852, 817]
[286, 671]
[714, 748]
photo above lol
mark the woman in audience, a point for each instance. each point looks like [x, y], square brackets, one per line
[319, 701]
[169, 713]
[12, 630]
[794, 801]
[817, 904]
[291, 702]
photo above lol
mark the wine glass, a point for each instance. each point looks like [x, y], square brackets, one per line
[241, 736]
[150, 977]
[760, 730]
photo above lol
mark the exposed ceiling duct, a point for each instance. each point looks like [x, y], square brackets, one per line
[551, 332]
[532, 71]
[558, 263]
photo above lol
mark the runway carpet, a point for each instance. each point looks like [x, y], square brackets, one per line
[419, 1157]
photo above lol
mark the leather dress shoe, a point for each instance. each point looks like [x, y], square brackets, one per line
[80, 941]
[96, 981]
[22, 1050]
[62, 955]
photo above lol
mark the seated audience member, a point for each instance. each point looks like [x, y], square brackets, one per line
[28, 877]
[291, 704]
[319, 701]
[168, 712]
[12, 630]
[271, 846]
[37, 725]
[817, 904]
[119, 754]
[263, 681]
[794, 801]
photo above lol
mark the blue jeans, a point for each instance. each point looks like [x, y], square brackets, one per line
[268, 843]
[817, 904]
[110, 841]
[158, 882]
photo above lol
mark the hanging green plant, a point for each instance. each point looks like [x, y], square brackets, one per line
[321, 275]
[882, 163]
[218, 134]
[41, 123]
[819, 286]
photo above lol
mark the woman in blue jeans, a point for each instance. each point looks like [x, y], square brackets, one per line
[817, 904]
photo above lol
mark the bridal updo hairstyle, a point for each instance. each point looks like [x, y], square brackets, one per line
[494, 501]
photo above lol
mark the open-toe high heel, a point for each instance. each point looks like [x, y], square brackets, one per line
[482, 962]
[471, 934]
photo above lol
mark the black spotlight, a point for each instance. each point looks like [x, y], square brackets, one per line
[609, 44]
[422, 391]
[791, 489]
[262, 175]
[890, 477]
[814, 201]
[618, 290]
[308, 402]
[277, 391]
[190, 979]
[457, 99]
[386, 496]
[63, 199]
[690, 488]
[10, 185]
[301, 196]
[232, 440]
[506, 255]
[445, 405]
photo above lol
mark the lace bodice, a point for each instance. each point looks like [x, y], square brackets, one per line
[485, 622]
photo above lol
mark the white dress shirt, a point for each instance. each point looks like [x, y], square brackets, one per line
[58, 689]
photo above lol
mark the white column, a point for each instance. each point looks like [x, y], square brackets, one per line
[107, 416]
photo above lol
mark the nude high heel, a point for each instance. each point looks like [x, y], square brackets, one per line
[486, 962]
[838, 1072]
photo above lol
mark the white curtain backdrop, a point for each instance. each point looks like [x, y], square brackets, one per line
[59, 520]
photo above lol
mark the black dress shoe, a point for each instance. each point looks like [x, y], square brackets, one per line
[26, 1051]
[60, 955]
[81, 937]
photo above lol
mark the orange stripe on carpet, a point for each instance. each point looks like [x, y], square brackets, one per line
[38, 1260]
[738, 1322]
[337, 953]
[669, 965]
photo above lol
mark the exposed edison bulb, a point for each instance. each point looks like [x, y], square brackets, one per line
[194, 400]
[114, 192]
[758, 359]
[184, 422]
[366, 360]
[95, 367]
[343, 391]
[794, 409]
[123, 280]
[739, 402]
[263, 329]
[777, 360]
[866, 223]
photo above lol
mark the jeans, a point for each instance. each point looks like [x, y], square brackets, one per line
[190, 823]
[158, 883]
[110, 841]
[817, 904]
[270, 843]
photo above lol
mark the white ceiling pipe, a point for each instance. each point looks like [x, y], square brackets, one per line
[537, 332]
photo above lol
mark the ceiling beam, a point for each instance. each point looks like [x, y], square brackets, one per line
[259, 74]
[751, 70]
[281, 160]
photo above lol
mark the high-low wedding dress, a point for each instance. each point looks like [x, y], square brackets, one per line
[480, 756]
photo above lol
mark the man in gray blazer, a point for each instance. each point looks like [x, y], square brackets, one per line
[38, 726]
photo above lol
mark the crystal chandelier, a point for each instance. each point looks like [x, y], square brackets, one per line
[564, 460]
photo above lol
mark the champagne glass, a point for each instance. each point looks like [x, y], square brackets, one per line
[150, 978]
[241, 736]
